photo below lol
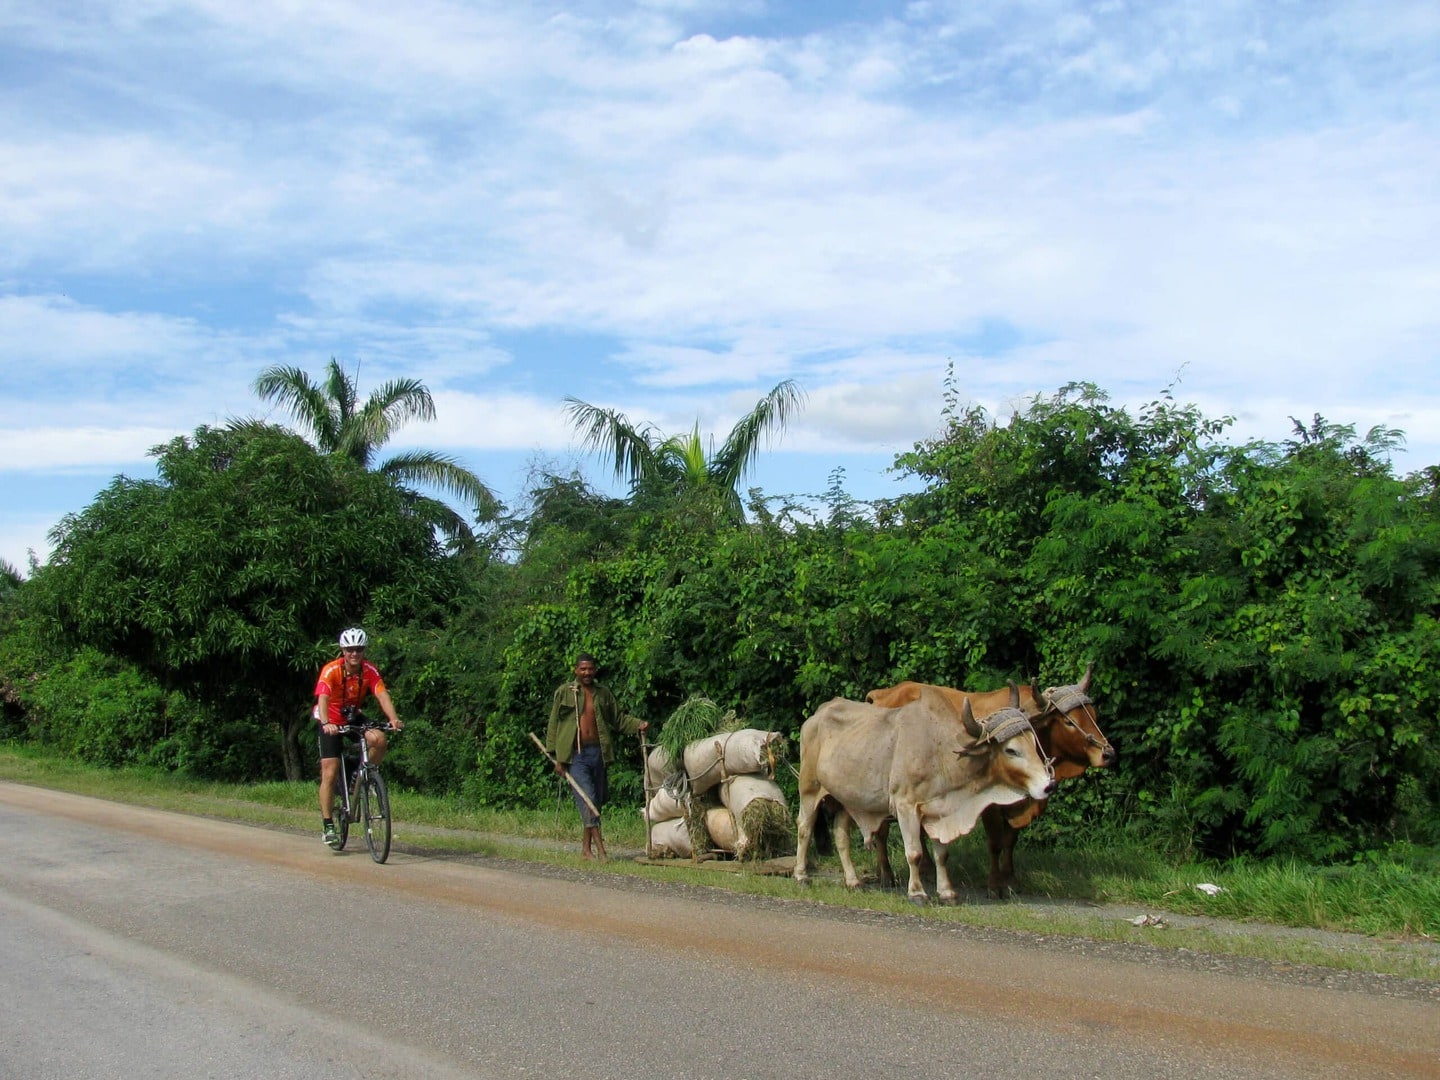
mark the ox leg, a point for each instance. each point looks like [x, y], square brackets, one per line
[909, 820]
[841, 833]
[944, 891]
[1000, 837]
[804, 826]
[884, 876]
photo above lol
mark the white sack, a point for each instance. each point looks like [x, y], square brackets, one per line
[672, 837]
[711, 759]
[657, 765]
[664, 807]
[740, 791]
[720, 824]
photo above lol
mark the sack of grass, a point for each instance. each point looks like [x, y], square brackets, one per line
[762, 817]
[709, 760]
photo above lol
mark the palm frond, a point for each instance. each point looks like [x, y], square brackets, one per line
[403, 400]
[631, 450]
[341, 389]
[684, 458]
[308, 405]
[742, 445]
[456, 530]
[442, 472]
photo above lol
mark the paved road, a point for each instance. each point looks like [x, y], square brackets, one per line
[135, 943]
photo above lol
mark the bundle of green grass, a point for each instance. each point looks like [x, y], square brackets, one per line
[712, 788]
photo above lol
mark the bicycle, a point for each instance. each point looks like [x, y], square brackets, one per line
[361, 786]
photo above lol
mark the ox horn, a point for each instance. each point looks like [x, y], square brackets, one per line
[1085, 680]
[967, 717]
[1014, 694]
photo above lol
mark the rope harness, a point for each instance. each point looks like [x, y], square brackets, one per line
[1062, 699]
[1003, 725]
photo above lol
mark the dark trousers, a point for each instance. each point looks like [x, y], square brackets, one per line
[588, 769]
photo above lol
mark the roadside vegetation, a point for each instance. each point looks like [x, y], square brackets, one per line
[1263, 620]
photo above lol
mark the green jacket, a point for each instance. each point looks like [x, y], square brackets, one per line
[563, 731]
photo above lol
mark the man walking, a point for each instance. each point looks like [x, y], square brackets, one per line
[584, 719]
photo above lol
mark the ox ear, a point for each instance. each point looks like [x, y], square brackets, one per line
[1085, 680]
[967, 717]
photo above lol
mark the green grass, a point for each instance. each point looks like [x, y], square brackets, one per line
[1394, 899]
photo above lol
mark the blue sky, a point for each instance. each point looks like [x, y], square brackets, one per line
[666, 207]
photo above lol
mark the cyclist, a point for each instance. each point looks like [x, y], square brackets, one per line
[343, 683]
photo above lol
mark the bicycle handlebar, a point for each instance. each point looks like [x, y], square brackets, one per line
[355, 721]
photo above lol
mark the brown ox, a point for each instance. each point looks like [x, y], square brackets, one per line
[931, 766]
[1066, 725]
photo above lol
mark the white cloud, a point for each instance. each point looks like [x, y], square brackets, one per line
[1239, 191]
[482, 422]
[52, 448]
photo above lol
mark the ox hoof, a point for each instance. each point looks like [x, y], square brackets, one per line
[920, 901]
[803, 882]
[949, 901]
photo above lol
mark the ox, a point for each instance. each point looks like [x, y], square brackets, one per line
[1066, 725]
[931, 766]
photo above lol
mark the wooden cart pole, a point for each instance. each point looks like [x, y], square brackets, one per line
[645, 783]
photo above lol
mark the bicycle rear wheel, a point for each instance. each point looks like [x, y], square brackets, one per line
[375, 811]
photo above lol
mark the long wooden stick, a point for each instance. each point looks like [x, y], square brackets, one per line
[566, 773]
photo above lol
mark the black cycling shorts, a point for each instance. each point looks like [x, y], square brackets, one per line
[334, 745]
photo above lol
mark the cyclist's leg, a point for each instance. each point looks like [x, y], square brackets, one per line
[378, 744]
[331, 746]
[329, 776]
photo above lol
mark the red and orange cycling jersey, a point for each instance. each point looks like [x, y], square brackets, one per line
[346, 689]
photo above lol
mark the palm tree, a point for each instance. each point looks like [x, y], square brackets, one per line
[333, 418]
[679, 464]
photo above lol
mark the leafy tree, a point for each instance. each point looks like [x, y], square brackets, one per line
[678, 465]
[10, 580]
[1253, 612]
[331, 414]
[229, 575]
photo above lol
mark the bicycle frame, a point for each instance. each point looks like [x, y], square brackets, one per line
[361, 796]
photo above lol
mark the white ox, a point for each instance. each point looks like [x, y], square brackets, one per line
[917, 764]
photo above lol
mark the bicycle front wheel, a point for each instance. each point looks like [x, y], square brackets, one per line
[342, 820]
[375, 809]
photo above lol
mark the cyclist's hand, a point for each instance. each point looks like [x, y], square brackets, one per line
[330, 729]
[397, 723]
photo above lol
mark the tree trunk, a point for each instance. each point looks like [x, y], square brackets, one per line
[290, 732]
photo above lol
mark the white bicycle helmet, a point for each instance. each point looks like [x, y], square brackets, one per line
[354, 638]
